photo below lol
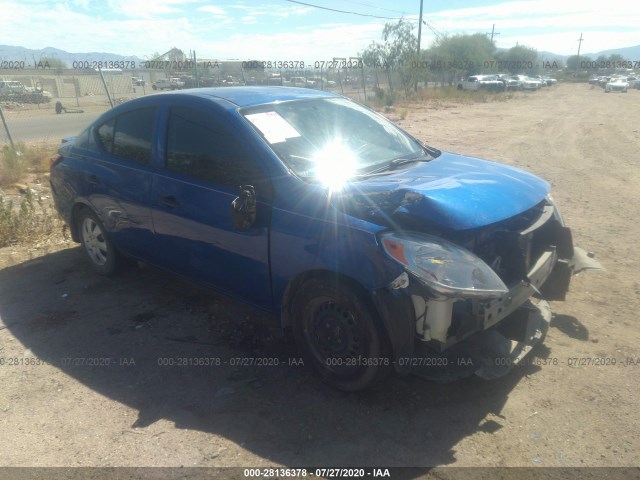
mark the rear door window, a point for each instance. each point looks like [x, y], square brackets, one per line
[129, 135]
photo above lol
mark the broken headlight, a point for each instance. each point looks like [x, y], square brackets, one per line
[445, 267]
[556, 212]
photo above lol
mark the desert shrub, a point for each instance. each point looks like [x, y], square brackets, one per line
[28, 222]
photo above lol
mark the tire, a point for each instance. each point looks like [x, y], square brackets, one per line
[339, 335]
[96, 244]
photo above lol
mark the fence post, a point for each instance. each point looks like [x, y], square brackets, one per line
[105, 87]
[6, 129]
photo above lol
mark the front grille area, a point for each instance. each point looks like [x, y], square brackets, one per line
[512, 247]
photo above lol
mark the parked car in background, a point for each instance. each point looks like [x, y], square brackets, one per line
[481, 82]
[320, 82]
[550, 81]
[12, 90]
[594, 80]
[376, 250]
[603, 80]
[509, 83]
[298, 81]
[168, 84]
[231, 81]
[538, 78]
[11, 86]
[617, 85]
[526, 83]
[38, 91]
[137, 82]
[633, 81]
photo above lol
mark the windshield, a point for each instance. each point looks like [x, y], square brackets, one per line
[331, 139]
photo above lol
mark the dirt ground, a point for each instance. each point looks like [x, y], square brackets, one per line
[121, 406]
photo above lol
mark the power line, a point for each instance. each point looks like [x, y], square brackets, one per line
[374, 6]
[342, 11]
[433, 29]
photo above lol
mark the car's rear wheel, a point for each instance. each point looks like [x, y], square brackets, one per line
[339, 334]
[96, 244]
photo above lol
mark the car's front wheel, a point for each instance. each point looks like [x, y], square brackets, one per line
[339, 334]
[96, 244]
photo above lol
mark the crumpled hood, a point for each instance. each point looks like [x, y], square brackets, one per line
[451, 191]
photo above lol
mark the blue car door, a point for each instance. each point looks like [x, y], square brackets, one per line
[117, 178]
[205, 163]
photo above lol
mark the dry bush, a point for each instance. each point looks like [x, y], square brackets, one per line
[16, 162]
[27, 219]
[29, 222]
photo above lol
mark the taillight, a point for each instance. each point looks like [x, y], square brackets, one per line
[56, 159]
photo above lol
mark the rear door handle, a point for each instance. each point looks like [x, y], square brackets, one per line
[170, 202]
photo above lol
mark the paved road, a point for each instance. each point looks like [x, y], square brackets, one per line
[48, 126]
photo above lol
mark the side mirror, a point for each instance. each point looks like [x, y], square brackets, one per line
[243, 208]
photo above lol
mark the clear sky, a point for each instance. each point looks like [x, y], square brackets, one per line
[282, 30]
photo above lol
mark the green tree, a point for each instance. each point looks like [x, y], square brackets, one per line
[573, 62]
[400, 42]
[616, 58]
[395, 53]
[518, 59]
[374, 57]
[464, 54]
[601, 60]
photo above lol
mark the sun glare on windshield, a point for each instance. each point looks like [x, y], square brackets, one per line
[334, 165]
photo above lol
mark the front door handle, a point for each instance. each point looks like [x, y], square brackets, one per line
[170, 202]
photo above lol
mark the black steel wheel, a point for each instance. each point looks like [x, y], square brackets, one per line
[339, 334]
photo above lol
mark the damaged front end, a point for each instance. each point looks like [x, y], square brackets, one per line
[476, 299]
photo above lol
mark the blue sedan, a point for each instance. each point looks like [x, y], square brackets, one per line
[377, 251]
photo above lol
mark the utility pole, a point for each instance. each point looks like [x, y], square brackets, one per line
[493, 32]
[195, 63]
[420, 28]
[579, 45]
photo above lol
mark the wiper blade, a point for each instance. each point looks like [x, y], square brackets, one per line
[395, 163]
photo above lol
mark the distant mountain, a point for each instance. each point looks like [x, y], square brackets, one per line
[629, 53]
[552, 57]
[32, 57]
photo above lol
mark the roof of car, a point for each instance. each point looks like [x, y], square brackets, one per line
[248, 96]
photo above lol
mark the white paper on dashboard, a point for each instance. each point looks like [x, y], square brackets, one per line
[274, 128]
